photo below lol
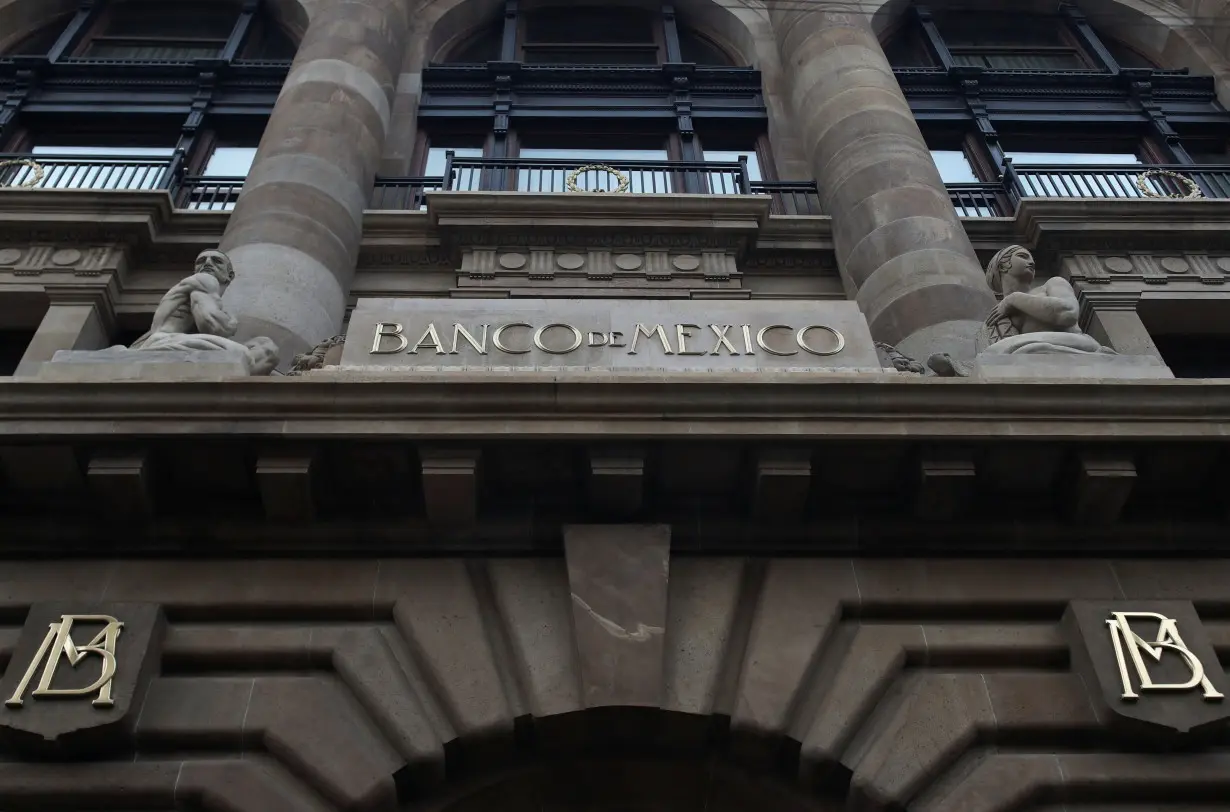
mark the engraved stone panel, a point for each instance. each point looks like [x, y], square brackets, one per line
[1149, 666]
[620, 335]
[50, 703]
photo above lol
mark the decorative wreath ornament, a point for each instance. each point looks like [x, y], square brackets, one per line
[36, 169]
[624, 183]
[1193, 191]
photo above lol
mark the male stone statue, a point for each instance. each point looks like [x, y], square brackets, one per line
[1026, 321]
[191, 317]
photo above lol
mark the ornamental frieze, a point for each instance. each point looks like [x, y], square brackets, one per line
[34, 260]
[1149, 269]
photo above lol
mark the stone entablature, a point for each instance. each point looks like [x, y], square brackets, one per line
[654, 245]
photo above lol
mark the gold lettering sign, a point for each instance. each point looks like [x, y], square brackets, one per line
[562, 339]
[1129, 645]
[59, 641]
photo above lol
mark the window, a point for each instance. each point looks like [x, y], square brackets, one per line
[589, 103]
[1011, 42]
[587, 35]
[695, 48]
[1059, 158]
[993, 90]
[730, 156]
[590, 36]
[229, 162]
[954, 166]
[144, 30]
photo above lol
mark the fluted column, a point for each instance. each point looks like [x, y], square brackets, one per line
[294, 235]
[900, 247]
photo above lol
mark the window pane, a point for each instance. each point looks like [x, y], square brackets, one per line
[727, 156]
[591, 156]
[1021, 30]
[102, 151]
[592, 55]
[695, 48]
[230, 162]
[1074, 158]
[170, 51]
[954, 166]
[1020, 60]
[436, 158]
[566, 25]
[172, 20]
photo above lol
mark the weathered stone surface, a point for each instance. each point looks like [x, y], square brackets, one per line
[75, 725]
[798, 608]
[617, 576]
[941, 716]
[438, 612]
[703, 603]
[536, 607]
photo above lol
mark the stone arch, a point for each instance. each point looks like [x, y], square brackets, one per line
[292, 16]
[1161, 31]
[21, 18]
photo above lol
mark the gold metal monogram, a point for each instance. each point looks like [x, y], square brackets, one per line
[1168, 639]
[59, 640]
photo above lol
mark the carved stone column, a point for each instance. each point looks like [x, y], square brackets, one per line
[901, 249]
[294, 235]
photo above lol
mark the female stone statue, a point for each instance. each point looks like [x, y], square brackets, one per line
[1025, 321]
[1031, 321]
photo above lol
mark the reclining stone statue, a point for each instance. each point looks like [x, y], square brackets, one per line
[191, 317]
[1025, 321]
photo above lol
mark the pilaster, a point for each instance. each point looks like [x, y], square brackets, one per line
[79, 318]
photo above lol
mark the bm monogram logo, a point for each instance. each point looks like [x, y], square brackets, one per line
[1131, 646]
[59, 643]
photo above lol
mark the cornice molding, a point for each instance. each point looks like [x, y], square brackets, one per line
[586, 405]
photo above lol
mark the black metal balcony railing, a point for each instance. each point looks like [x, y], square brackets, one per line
[790, 196]
[403, 194]
[1121, 181]
[979, 199]
[135, 172]
[554, 175]
[205, 193]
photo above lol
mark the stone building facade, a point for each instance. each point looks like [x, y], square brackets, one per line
[714, 406]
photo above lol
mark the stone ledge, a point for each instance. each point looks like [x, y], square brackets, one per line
[587, 405]
[122, 364]
[1070, 367]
